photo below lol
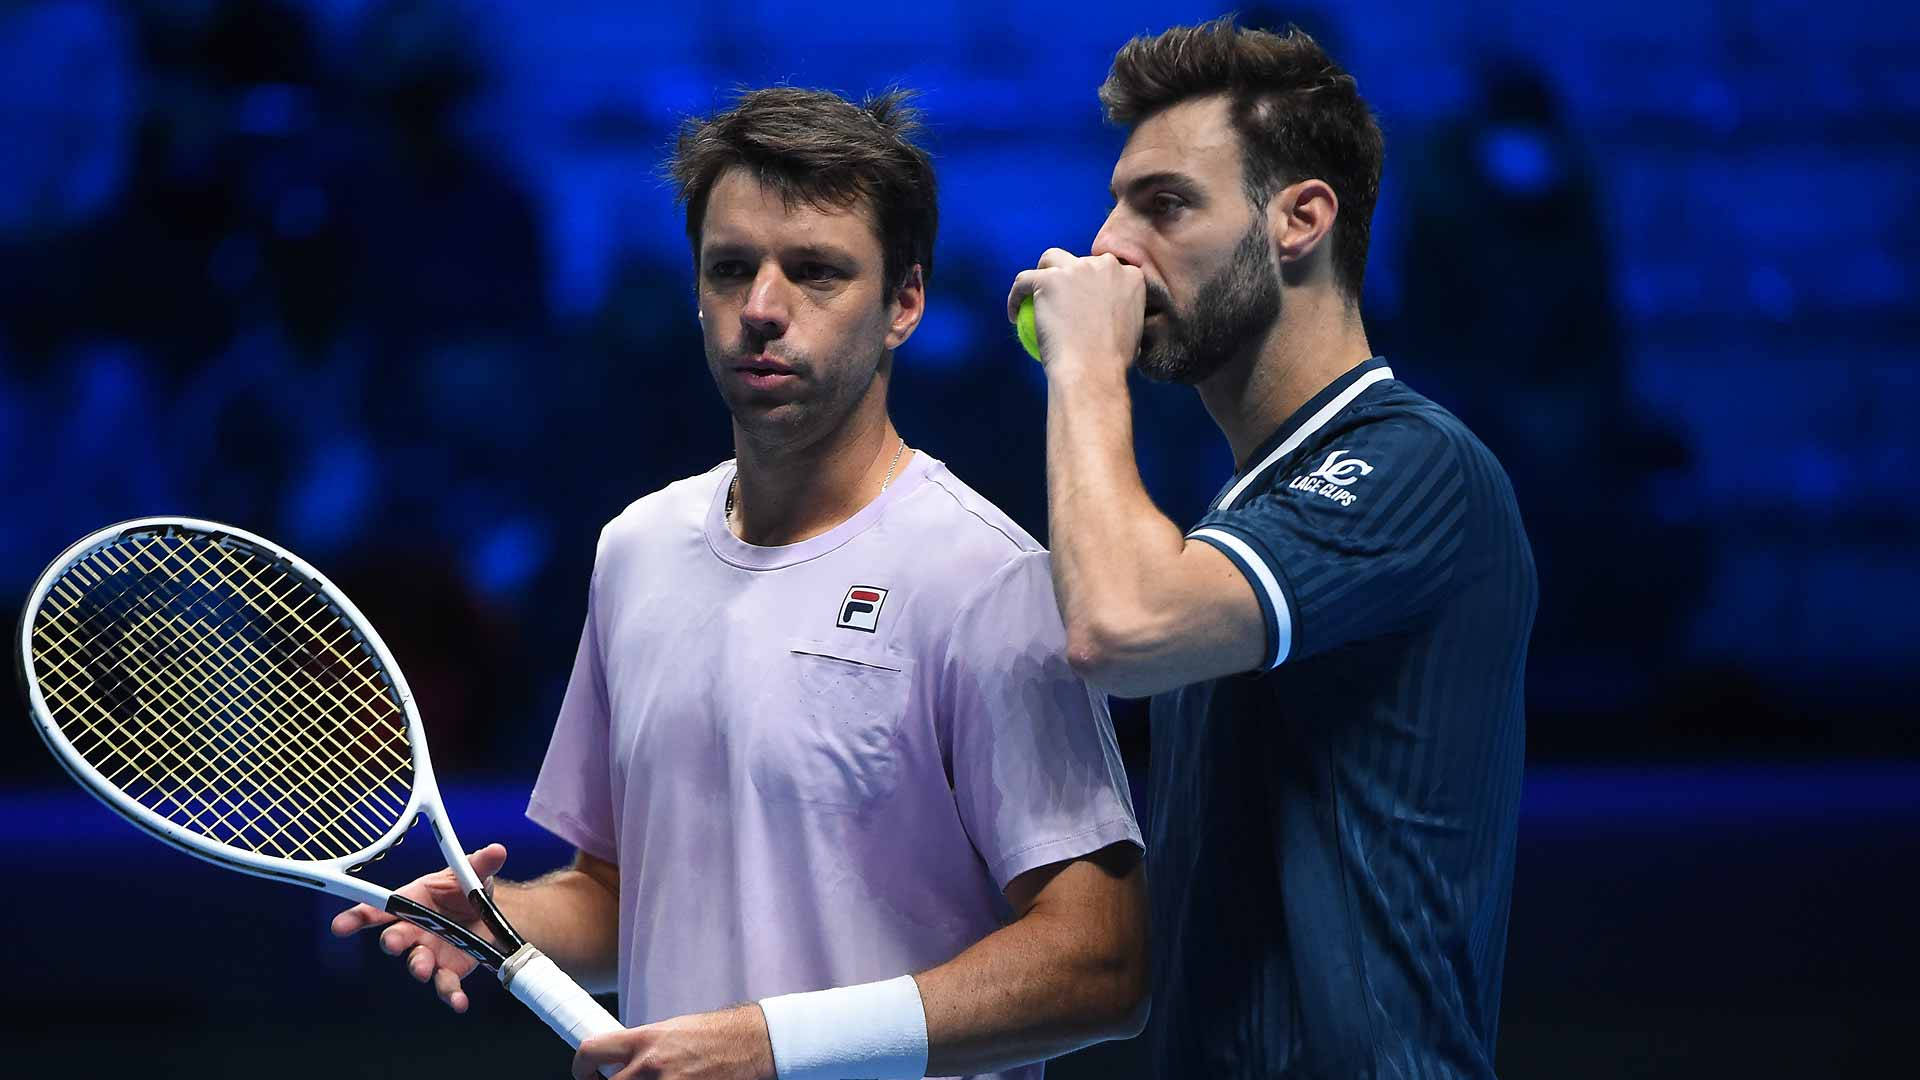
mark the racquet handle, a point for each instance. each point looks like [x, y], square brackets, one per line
[555, 998]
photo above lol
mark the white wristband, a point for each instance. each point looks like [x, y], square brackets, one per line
[876, 1030]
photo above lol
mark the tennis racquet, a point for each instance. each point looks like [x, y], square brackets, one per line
[221, 694]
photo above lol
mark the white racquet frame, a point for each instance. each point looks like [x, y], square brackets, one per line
[529, 974]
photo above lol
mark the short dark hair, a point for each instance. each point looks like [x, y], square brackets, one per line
[1297, 113]
[818, 147]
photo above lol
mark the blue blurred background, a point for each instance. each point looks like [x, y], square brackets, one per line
[398, 284]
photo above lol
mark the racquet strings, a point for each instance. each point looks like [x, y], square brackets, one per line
[224, 692]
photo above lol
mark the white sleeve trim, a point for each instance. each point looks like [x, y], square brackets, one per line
[1314, 423]
[1265, 580]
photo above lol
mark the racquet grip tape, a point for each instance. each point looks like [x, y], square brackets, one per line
[569, 1010]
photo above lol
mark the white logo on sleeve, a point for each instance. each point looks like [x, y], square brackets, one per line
[1333, 477]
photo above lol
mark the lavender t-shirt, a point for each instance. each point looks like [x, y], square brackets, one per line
[821, 764]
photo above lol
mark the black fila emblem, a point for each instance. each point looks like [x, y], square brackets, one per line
[861, 609]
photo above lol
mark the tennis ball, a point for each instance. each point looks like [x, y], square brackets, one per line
[1023, 326]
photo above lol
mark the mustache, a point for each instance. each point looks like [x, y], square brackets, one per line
[1158, 299]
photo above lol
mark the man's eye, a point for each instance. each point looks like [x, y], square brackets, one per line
[727, 268]
[1166, 203]
[818, 272]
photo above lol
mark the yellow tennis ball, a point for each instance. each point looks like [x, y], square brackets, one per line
[1023, 326]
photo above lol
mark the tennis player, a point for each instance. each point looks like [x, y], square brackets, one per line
[822, 750]
[1336, 648]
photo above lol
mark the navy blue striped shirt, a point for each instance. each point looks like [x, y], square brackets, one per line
[1332, 837]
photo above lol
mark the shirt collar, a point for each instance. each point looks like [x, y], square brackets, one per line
[1319, 410]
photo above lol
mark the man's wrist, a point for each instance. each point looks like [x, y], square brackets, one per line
[759, 1043]
[1073, 369]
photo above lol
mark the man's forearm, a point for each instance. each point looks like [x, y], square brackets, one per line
[570, 916]
[1106, 535]
[1045, 984]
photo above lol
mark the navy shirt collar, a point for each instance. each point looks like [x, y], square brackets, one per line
[1296, 429]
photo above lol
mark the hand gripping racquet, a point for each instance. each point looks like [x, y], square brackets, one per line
[221, 694]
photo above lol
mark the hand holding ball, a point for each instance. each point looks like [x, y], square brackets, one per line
[1023, 326]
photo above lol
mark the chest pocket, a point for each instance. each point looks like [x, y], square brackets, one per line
[835, 743]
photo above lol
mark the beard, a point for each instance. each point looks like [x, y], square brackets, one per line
[1233, 310]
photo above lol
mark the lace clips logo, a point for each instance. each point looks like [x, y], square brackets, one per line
[1333, 477]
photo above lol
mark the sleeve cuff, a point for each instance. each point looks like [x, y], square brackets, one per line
[568, 828]
[1048, 852]
[1274, 610]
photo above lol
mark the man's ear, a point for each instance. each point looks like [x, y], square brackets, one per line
[1299, 218]
[908, 304]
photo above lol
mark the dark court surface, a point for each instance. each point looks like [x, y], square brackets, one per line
[1668, 922]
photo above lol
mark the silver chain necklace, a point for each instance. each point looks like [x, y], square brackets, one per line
[733, 485]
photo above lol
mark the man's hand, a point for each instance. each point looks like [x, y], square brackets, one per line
[731, 1044]
[1086, 311]
[428, 957]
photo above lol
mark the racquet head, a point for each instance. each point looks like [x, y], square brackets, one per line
[220, 693]
[216, 689]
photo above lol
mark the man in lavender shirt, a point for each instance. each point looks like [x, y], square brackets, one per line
[822, 749]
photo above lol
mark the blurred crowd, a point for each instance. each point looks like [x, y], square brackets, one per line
[248, 280]
[261, 271]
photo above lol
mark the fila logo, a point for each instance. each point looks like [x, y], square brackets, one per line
[861, 609]
[1333, 477]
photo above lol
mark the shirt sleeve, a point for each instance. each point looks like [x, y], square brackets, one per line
[1037, 774]
[573, 797]
[1364, 538]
